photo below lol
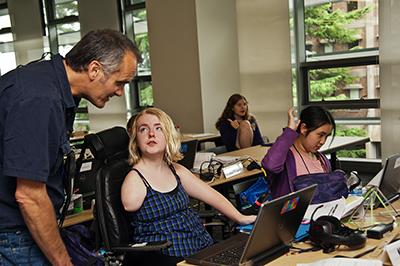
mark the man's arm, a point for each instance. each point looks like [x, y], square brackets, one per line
[38, 213]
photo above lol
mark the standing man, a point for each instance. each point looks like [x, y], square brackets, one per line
[37, 110]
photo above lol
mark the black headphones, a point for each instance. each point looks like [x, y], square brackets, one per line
[209, 169]
[327, 232]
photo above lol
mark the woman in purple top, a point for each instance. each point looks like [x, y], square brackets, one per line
[237, 126]
[295, 152]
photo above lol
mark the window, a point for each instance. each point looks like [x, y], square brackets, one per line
[7, 55]
[135, 22]
[337, 61]
[63, 32]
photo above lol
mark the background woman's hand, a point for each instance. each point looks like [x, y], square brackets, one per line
[293, 121]
[234, 123]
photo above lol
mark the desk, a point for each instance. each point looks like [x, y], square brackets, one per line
[372, 250]
[203, 137]
[342, 143]
[84, 216]
[256, 152]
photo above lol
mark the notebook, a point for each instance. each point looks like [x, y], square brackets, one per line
[275, 227]
[188, 150]
[389, 183]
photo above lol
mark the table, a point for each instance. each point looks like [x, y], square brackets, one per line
[202, 138]
[372, 250]
[342, 143]
[84, 216]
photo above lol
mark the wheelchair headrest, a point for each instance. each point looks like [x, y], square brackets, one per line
[108, 143]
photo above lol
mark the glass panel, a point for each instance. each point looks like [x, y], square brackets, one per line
[132, 2]
[344, 83]
[145, 94]
[65, 8]
[340, 26]
[68, 35]
[5, 21]
[7, 62]
[6, 37]
[141, 38]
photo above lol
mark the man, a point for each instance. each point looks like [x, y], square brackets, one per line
[37, 110]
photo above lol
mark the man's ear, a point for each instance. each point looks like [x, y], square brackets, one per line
[94, 69]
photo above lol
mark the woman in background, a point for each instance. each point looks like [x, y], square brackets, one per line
[238, 128]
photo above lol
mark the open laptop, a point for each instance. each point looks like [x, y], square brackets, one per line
[388, 179]
[274, 228]
[188, 150]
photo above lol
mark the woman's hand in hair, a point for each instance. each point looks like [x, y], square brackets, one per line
[293, 121]
[234, 123]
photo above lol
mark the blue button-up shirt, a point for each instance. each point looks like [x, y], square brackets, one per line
[37, 111]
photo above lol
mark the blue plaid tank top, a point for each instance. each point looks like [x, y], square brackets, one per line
[167, 216]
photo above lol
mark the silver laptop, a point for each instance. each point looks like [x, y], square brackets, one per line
[273, 230]
[388, 179]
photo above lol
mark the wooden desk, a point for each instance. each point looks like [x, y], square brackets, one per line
[256, 152]
[342, 143]
[372, 250]
[84, 216]
[203, 137]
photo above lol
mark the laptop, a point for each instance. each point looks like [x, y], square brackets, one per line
[388, 179]
[188, 150]
[275, 227]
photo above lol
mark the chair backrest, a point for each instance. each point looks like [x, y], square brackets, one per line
[110, 148]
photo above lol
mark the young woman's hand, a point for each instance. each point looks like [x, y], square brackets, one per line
[234, 123]
[247, 219]
[293, 121]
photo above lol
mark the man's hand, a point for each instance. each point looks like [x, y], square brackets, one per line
[38, 213]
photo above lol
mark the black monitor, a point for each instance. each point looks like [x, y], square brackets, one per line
[390, 182]
[188, 149]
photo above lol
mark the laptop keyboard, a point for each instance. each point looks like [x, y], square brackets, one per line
[228, 257]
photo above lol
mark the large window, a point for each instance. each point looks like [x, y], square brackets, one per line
[62, 33]
[7, 55]
[140, 92]
[337, 63]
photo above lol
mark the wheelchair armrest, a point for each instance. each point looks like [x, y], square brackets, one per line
[150, 246]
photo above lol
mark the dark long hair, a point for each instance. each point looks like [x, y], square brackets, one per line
[314, 117]
[228, 110]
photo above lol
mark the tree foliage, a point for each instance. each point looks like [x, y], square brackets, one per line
[321, 22]
[332, 26]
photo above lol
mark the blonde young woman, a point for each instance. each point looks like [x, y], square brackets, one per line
[156, 191]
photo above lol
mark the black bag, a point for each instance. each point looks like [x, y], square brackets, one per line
[80, 245]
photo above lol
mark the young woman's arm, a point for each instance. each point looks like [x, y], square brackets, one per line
[133, 192]
[196, 188]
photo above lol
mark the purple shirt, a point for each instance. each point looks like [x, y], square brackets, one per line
[280, 164]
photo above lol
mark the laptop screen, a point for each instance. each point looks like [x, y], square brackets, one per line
[390, 182]
[188, 150]
[277, 222]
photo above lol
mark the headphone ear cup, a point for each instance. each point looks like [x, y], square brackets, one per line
[335, 222]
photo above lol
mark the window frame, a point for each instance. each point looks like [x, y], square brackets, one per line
[304, 65]
[129, 30]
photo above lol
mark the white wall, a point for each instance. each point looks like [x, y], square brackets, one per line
[389, 73]
[264, 55]
[218, 56]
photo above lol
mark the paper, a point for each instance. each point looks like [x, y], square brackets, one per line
[343, 262]
[352, 202]
[333, 208]
[233, 169]
[393, 250]
[227, 159]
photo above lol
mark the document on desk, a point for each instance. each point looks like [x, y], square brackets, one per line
[343, 262]
[332, 208]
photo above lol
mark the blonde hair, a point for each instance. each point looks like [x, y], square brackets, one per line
[172, 138]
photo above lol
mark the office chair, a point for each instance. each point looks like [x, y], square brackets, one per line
[110, 148]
